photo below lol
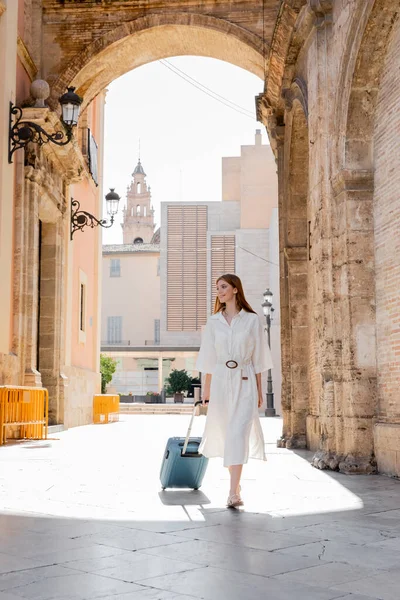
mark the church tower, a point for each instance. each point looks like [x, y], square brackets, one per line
[138, 219]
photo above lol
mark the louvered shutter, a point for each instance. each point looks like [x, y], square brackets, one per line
[222, 260]
[186, 268]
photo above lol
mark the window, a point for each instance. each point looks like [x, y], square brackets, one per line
[82, 308]
[115, 267]
[92, 152]
[82, 315]
[139, 188]
[156, 331]
[138, 240]
[138, 210]
[114, 330]
[132, 212]
[144, 211]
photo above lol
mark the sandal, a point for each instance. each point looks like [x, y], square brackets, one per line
[234, 501]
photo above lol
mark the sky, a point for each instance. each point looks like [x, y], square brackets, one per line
[183, 132]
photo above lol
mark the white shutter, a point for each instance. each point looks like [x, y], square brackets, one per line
[186, 268]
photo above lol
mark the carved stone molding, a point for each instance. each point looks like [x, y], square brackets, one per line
[297, 91]
[353, 180]
[69, 160]
[26, 59]
[2, 7]
[297, 253]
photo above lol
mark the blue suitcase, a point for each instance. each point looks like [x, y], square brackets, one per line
[182, 465]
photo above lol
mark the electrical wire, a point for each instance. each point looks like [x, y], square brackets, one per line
[206, 88]
[214, 97]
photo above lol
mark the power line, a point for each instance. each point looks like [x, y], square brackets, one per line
[207, 88]
[203, 89]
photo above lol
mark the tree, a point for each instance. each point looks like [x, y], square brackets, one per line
[178, 382]
[108, 367]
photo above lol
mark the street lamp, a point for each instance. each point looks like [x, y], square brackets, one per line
[268, 311]
[23, 132]
[81, 219]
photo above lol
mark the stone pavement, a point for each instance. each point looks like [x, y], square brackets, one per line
[82, 516]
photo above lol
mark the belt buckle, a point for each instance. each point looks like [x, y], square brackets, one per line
[231, 364]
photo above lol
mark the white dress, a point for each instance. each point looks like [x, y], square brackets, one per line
[233, 430]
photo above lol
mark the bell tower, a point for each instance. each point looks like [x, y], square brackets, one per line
[138, 217]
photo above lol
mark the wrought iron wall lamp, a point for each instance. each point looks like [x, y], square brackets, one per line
[22, 132]
[81, 219]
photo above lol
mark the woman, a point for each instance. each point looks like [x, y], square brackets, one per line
[232, 356]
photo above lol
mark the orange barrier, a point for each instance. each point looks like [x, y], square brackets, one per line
[26, 408]
[105, 408]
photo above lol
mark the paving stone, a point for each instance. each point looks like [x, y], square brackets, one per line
[212, 583]
[235, 558]
[384, 586]
[326, 575]
[80, 586]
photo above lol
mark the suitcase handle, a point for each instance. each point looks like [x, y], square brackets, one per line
[196, 403]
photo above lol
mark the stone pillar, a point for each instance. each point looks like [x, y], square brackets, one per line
[297, 288]
[354, 320]
[51, 317]
[286, 391]
[320, 111]
[31, 264]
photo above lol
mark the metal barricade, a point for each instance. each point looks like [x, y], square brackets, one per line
[105, 408]
[26, 408]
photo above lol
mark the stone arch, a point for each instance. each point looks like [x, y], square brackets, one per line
[358, 145]
[293, 217]
[347, 68]
[152, 38]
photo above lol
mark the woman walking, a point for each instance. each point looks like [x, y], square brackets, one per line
[232, 356]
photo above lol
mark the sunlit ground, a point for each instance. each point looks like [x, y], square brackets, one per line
[83, 516]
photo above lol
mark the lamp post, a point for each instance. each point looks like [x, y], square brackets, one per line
[22, 132]
[268, 310]
[81, 218]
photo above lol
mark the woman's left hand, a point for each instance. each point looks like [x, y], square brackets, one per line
[260, 401]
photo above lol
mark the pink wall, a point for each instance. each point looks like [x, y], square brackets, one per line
[85, 258]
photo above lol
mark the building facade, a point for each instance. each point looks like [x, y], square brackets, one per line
[50, 307]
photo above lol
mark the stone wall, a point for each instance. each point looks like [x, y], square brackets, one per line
[387, 260]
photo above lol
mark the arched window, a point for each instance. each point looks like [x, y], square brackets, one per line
[144, 211]
[132, 212]
[138, 240]
[139, 188]
[138, 210]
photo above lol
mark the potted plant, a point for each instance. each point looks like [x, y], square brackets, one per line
[177, 383]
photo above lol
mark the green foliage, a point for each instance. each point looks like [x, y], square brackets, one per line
[108, 367]
[177, 382]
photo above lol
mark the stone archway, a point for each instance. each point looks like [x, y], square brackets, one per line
[103, 50]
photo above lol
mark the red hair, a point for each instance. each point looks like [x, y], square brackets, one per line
[241, 302]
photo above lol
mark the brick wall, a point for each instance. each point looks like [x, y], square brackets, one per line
[387, 231]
